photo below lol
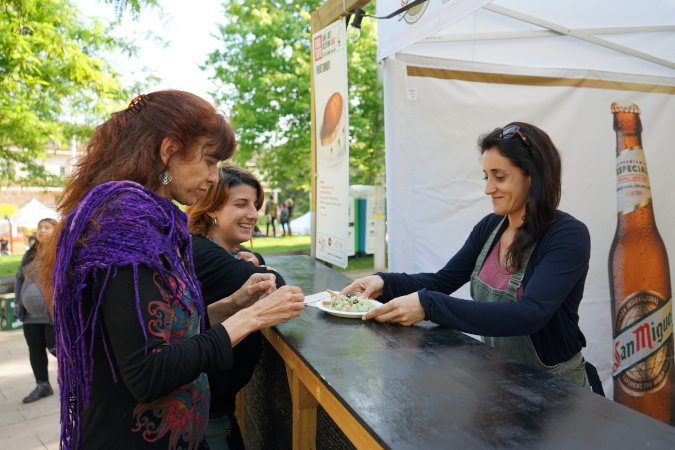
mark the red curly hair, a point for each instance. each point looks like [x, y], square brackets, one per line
[127, 147]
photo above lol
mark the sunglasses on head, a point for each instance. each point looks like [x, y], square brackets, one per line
[510, 131]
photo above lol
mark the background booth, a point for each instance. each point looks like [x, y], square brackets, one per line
[361, 230]
[454, 70]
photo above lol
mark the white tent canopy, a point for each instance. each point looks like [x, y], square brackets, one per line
[455, 69]
[302, 225]
[34, 212]
[608, 35]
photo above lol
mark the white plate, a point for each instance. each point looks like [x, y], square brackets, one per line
[347, 314]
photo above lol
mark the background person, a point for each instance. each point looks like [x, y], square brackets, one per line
[32, 311]
[283, 219]
[290, 204]
[527, 264]
[220, 222]
[127, 307]
[271, 216]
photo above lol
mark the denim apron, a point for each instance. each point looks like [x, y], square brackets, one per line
[521, 347]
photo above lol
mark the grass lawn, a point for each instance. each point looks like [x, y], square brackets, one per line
[264, 245]
[354, 263]
[9, 264]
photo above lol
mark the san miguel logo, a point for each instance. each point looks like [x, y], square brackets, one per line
[415, 13]
[643, 341]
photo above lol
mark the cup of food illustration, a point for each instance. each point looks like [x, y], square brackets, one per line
[333, 132]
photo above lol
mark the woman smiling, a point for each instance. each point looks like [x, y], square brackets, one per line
[219, 222]
[526, 264]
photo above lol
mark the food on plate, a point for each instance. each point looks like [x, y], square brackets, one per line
[331, 119]
[351, 302]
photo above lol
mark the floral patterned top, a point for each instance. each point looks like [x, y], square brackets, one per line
[156, 395]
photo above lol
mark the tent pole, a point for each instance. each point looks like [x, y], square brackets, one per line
[324, 15]
[579, 35]
[541, 33]
[313, 170]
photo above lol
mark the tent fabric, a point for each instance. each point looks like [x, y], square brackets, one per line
[433, 118]
[9, 210]
[488, 36]
[32, 213]
[418, 22]
[302, 225]
[455, 69]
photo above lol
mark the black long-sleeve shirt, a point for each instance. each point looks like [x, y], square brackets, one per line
[160, 398]
[220, 275]
[553, 285]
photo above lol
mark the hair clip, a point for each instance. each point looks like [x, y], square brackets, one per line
[137, 103]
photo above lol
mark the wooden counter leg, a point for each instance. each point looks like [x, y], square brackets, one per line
[240, 412]
[304, 412]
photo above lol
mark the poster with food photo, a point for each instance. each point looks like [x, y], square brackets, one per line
[332, 147]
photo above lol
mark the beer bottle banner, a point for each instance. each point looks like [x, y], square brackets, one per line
[632, 181]
[639, 277]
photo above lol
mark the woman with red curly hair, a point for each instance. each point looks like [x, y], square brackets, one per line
[133, 338]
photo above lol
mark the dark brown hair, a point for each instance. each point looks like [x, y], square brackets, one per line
[541, 161]
[216, 197]
[127, 147]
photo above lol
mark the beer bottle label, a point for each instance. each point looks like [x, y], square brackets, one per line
[632, 181]
[642, 342]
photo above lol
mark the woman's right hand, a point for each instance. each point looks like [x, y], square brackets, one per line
[248, 256]
[370, 287]
[283, 304]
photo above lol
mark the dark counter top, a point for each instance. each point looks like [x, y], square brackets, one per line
[428, 386]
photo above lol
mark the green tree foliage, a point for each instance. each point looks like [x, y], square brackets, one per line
[51, 69]
[133, 5]
[262, 73]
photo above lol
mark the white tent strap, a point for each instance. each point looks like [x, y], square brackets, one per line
[542, 33]
[578, 34]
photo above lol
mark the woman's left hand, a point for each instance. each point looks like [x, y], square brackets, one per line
[248, 256]
[405, 310]
[259, 285]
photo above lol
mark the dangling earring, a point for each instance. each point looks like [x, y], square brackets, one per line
[165, 177]
[215, 222]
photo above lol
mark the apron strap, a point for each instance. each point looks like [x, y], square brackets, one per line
[486, 249]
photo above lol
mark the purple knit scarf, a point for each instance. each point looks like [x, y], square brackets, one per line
[117, 224]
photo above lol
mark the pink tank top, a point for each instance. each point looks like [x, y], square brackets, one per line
[494, 275]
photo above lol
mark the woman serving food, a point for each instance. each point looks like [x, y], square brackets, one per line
[526, 264]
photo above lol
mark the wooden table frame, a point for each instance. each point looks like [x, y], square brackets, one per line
[307, 392]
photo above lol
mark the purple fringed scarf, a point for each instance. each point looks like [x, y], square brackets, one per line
[121, 224]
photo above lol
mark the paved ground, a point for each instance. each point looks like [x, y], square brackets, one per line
[25, 426]
[36, 425]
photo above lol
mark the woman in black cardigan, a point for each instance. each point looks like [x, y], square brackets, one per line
[220, 222]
